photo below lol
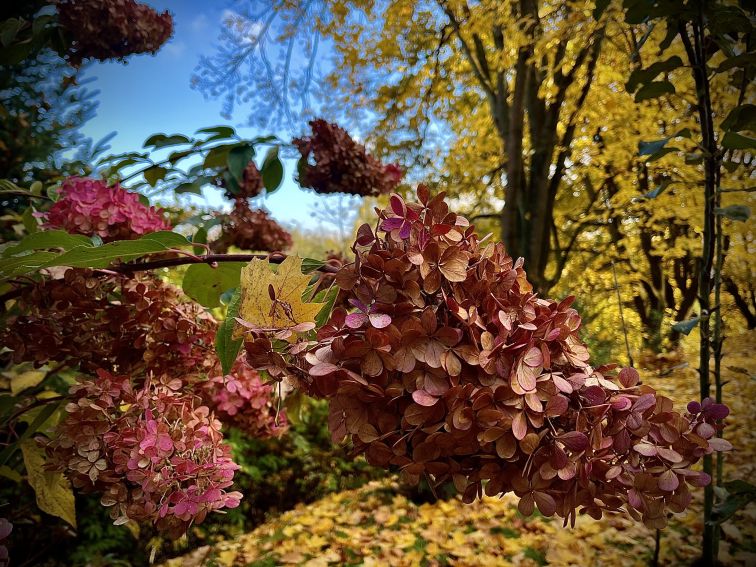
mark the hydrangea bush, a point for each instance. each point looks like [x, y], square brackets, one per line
[435, 354]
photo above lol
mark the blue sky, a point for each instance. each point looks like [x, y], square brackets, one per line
[152, 94]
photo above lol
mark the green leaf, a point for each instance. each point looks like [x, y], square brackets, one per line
[122, 250]
[200, 237]
[162, 141]
[734, 141]
[741, 118]
[272, 170]
[188, 187]
[685, 327]
[650, 148]
[226, 346]
[309, 265]
[206, 284]
[30, 222]
[328, 300]
[654, 89]
[218, 132]
[176, 157]
[216, 157]
[734, 212]
[154, 174]
[661, 153]
[744, 60]
[659, 189]
[738, 494]
[19, 265]
[47, 239]
[237, 161]
[640, 76]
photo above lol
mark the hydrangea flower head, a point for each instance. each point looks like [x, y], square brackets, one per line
[92, 207]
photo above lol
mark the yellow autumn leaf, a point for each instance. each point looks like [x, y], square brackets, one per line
[25, 380]
[53, 490]
[288, 284]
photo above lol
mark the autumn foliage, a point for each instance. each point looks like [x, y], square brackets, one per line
[450, 367]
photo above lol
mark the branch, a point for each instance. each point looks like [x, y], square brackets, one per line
[210, 259]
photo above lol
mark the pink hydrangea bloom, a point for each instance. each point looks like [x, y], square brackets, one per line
[90, 206]
[153, 452]
[242, 399]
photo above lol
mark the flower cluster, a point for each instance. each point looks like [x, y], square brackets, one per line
[342, 165]
[113, 29]
[91, 207]
[249, 229]
[152, 452]
[241, 399]
[113, 322]
[451, 367]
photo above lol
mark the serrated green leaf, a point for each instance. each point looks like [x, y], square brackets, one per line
[206, 284]
[226, 346]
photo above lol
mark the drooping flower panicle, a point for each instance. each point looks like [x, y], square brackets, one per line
[451, 367]
[341, 165]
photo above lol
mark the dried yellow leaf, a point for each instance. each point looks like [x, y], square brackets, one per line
[288, 284]
[53, 490]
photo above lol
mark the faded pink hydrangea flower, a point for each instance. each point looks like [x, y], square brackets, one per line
[153, 452]
[242, 399]
[91, 207]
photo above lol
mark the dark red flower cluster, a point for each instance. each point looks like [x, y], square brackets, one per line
[91, 207]
[91, 320]
[450, 367]
[112, 29]
[153, 452]
[249, 229]
[242, 399]
[342, 165]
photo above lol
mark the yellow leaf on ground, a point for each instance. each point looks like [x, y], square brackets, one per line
[288, 284]
[54, 494]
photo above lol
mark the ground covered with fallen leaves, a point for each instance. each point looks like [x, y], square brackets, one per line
[377, 525]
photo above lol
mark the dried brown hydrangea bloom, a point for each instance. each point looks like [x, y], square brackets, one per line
[112, 29]
[251, 229]
[96, 321]
[451, 367]
[342, 165]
